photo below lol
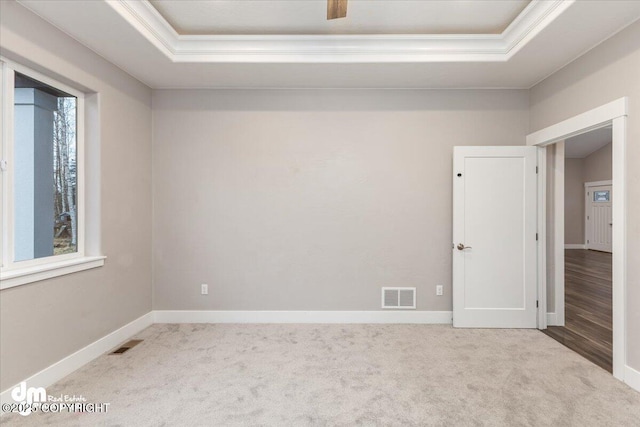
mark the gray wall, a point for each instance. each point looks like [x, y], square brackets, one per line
[599, 164]
[312, 200]
[595, 167]
[43, 322]
[281, 199]
[608, 72]
[574, 201]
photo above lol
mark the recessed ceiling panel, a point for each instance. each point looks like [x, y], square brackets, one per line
[132, 35]
[251, 17]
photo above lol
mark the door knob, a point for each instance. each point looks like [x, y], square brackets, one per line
[462, 247]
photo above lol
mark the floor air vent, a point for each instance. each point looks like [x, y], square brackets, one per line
[399, 298]
[126, 347]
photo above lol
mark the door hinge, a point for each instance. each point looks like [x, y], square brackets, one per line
[3, 165]
[537, 304]
[536, 236]
[536, 169]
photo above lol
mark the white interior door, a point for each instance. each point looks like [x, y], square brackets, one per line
[599, 225]
[494, 235]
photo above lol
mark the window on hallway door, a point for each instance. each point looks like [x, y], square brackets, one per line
[42, 212]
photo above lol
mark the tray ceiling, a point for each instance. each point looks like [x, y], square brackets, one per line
[364, 16]
[134, 35]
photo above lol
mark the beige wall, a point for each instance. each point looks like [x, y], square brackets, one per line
[574, 201]
[312, 200]
[598, 165]
[595, 167]
[43, 322]
[281, 199]
[608, 72]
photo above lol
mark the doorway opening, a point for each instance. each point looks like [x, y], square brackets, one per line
[588, 225]
[551, 270]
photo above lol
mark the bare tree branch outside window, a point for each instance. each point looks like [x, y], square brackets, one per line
[65, 177]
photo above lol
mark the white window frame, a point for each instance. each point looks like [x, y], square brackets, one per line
[22, 272]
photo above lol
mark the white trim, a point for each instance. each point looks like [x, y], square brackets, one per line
[597, 183]
[71, 363]
[619, 258]
[582, 123]
[17, 277]
[558, 230]
[552, 319]
[575, 246]
[41, 77]
[148, 22]
[18, 273]
[92, 187]
[6, 221]
[632, 377]
[7, 117]
[542, 240]
[224, 316]
[613, 113]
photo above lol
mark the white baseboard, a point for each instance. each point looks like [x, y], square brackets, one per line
[222, 316]
[632, 377]
[552, 319]
[64, 367]
[575, 246]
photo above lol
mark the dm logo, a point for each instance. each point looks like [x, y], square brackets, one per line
[28, 396]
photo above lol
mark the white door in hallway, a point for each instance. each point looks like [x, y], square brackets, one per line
[494, 237]
[598, 220]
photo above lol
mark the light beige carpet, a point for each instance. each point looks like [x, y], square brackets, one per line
[343, 375]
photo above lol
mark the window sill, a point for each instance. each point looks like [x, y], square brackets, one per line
[23, 276]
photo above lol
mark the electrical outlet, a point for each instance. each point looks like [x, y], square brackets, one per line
[204, 289]
[439, 290]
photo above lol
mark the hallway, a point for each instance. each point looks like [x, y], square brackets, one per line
[588, 307]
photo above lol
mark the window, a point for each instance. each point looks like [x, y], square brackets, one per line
[43, 232]
[601, 196]
[45, 180]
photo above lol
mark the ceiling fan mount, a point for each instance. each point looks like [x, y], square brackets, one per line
[336, 9]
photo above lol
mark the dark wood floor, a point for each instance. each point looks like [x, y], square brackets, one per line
[588, 307]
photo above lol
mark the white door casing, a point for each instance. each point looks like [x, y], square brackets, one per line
[494, 235]
[598, 216]
[612, 114]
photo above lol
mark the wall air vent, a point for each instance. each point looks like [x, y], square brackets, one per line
[403, 298]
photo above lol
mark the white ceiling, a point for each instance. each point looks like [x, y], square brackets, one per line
[363, 17]
[581, 146]
[545, 36]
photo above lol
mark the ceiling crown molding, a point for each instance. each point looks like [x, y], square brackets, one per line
[145, 19]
